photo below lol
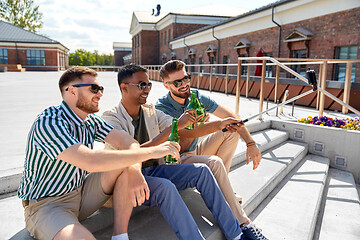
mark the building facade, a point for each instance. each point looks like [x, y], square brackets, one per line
[152, 34]
[31, 50]
[317, 29]
[121, 49]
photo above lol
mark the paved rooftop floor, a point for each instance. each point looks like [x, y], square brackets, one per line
[26, 94]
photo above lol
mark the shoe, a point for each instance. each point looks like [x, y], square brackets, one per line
[251, 232]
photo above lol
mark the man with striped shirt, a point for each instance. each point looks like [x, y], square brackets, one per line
[56, 189]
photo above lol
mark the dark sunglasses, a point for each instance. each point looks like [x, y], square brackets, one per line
[177, 83]
[94, 87]
[142, 85]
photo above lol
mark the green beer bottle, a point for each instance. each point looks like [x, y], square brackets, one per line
[192, 105]
[173, 137]
[200, 109]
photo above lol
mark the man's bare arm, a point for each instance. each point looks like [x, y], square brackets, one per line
[107, 160]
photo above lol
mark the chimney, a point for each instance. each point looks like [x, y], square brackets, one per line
[158, 7]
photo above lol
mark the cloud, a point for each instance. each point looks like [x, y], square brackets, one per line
[96, 24]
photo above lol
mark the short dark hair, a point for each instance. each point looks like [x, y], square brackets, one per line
[170, 67]
[74, 73]
[127, 71]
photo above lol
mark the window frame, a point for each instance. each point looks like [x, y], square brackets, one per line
[37, 55]
[340, 68]
[4, 56]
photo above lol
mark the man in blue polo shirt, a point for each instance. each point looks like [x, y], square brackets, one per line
[218, 147]
[56, 189]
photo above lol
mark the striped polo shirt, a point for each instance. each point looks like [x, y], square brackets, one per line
[53, 131]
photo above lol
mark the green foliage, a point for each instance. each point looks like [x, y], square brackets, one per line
[21, 13]
[81, 57]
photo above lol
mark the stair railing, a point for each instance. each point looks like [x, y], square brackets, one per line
[320, 87]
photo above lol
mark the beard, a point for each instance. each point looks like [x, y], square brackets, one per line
[86, 106]
[183, 95]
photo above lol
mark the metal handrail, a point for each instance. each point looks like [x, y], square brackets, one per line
[289, 70]
[269, 61]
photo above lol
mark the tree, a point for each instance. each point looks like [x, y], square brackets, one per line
[81, 57]
[21, 13]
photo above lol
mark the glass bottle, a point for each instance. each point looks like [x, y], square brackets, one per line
[173, 137]
[192, 105]
[200, 109]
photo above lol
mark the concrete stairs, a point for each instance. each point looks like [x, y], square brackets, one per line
[292, 195]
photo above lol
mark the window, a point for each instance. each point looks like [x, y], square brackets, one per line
[169, 34]
[35, 57]
[186, 61]
[269, 68]
[348, 52]
[301, 69]
[212, 61]
[192, 61]
[165, 38]
[3, 56]
[62, 60]
[226, 61]
[161, 39]
[201, 62]
[244, 68]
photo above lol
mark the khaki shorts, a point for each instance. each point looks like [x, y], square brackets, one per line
[47, 216]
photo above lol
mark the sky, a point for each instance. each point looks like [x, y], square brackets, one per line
[96, 24]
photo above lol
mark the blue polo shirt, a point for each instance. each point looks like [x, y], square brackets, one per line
[169, 106]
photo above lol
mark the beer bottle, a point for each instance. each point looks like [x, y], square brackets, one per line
[173, 137]
[192, 105]
[200, 109]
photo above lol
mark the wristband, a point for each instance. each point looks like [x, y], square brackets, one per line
[250, 144]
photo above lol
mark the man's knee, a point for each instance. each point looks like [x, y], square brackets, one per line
[74, 231]
[216, 164]
[163, 189]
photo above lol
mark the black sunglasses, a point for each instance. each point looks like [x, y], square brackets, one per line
[177, 83]
[94, 87]
[142, 85]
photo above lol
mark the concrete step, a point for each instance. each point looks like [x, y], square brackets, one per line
[140, 226]
[256, 125]
[12, 212]
[141, 223]
[276, 163]
[10, 179]
[341, 212]
[291, 210]
[265, 139]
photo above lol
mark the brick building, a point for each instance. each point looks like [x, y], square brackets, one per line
[31, 50]
[287, 28]
[121, 49]
[152, 33]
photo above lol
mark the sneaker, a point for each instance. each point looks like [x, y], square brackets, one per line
[251, 232]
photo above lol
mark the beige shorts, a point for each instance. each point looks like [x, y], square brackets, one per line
[46, 216]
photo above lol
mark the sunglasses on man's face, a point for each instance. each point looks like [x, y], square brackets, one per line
[177, 83]
[142, 85]
[94, 87]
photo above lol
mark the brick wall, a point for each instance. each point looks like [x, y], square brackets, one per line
[52, 58]
[118, 57]
[148, 51]
[176, 30]
[329, 32]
